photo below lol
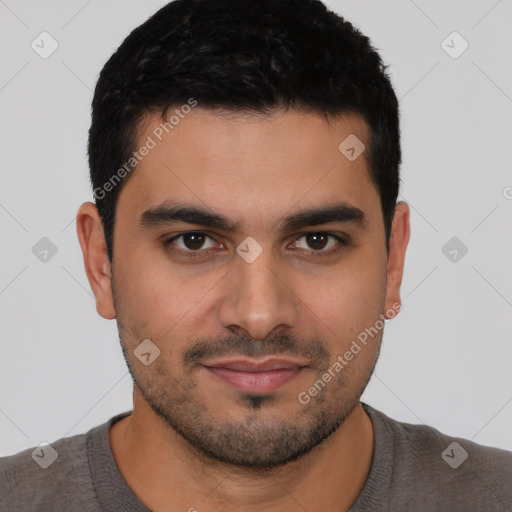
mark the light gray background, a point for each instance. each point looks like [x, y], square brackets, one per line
[446, 359]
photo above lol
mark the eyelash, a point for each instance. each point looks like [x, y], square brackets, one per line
[198, 253]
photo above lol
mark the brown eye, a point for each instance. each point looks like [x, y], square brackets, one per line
[191, 242]
[319, 242]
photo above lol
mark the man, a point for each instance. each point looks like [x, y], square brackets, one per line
[247, 239]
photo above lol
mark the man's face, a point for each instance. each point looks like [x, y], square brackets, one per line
[247, 321]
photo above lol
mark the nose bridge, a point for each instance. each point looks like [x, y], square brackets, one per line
[258, 299]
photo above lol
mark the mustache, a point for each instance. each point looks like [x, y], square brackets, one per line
[313, 350]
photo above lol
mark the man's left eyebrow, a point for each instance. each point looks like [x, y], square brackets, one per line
[342, 212]
[167, 214]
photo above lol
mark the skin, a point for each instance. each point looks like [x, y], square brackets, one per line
[255, 170]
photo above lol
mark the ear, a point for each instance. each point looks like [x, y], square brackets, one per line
[400, 232]
[97, 266]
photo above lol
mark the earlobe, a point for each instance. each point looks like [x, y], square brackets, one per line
[400, 234]
[97, 266]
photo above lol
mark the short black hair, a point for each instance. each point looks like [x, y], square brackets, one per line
[241, 56]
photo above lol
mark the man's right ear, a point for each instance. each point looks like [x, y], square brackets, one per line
[97, 265]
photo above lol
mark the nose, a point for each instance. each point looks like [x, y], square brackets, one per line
[258, 299]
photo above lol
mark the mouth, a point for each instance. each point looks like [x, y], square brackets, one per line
[255, 376]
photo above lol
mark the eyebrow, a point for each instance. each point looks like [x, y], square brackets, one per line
[172, 213]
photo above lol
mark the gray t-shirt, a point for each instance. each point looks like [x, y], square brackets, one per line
[414, 468]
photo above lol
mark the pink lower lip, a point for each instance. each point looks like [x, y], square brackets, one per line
[255, 382]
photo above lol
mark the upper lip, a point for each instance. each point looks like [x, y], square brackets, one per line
[252, 365]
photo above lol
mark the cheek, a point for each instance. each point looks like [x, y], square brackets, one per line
[159, 298]
[350, 301]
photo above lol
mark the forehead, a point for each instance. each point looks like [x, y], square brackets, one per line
[252, 165]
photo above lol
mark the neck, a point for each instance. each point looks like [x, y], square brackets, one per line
[166, 473]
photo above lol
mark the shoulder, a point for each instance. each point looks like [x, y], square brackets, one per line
[48, 476]
[430, 448]
[427, 463]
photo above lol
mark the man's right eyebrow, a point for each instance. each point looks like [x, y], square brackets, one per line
[165, 214]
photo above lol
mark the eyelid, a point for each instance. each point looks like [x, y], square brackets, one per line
[168, 240]
[342, 238]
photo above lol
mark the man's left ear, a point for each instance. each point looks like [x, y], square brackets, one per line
[400, 233]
